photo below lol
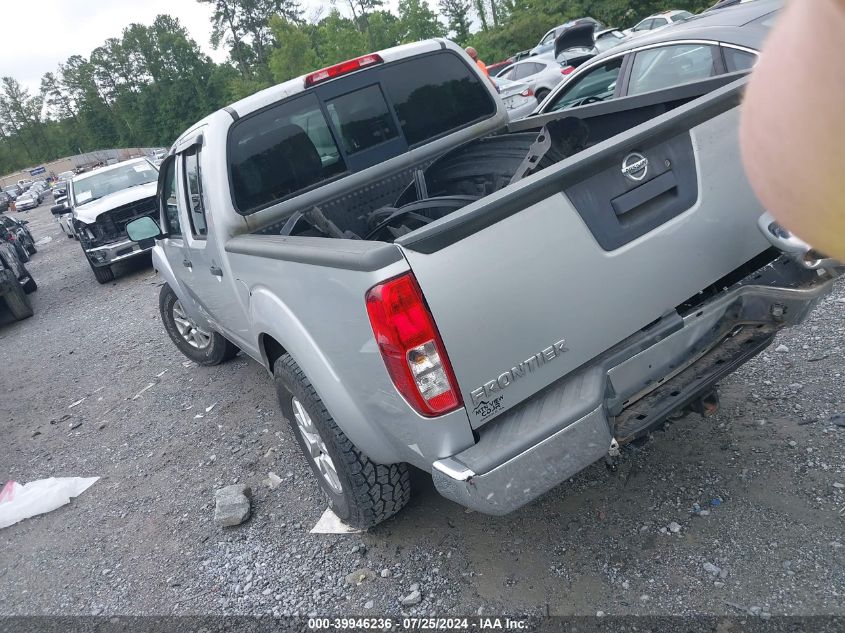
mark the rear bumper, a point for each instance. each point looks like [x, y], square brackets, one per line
[114, 252]
[626, 391]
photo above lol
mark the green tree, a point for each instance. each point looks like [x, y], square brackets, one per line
[293, 54]
[457, 15]
[418, 21]
[337, 39]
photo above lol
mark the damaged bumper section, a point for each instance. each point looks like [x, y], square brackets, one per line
[630, 389]
[114, 252]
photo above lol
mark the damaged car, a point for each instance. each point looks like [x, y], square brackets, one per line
[102, 203]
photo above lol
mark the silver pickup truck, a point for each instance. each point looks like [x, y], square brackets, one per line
[499, 306]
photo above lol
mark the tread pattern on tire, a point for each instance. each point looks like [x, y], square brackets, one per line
[378, 490]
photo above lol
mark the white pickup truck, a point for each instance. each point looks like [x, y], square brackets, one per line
[497, 306]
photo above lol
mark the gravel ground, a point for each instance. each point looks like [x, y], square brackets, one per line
[92, 386]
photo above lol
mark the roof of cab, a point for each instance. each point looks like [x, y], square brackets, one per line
[295, 86]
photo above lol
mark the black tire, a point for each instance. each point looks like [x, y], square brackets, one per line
[370, 492]
[21, 251]
[31, 247]
[70, 237]
[541, 94]
[219, 348]
[103, 274]
[16, 299]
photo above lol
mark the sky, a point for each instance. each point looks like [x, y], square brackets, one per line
[58, 29]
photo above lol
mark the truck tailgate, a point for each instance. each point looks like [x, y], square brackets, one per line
[531, 282]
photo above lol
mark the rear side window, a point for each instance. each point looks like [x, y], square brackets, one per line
[736, 60]
[435, 94]
[668, 66]
[280, 151]
[193, 189]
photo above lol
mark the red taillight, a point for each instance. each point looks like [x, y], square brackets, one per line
[411, 346]
[342, 68]
[567, 70]
[527, 93]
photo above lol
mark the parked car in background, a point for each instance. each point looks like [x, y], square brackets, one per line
[102, 202]
[712, 44]
[13, 191]
[494, 69]
[15, 283]
[517, 96]
[539, 74]
[724, 4]
[29, 200]
[21, 232]
[658, 21]
[5, 201]
[8, 236]
[65, 176]
[547, 42]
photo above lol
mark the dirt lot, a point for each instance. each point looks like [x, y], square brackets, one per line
[767, 473]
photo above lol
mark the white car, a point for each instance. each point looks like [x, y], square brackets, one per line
[540, 74]
[28, 200]
[517, 96]
[658, 21]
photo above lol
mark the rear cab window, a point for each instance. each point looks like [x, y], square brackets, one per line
[349, 124]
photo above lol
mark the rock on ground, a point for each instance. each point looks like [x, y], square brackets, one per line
[231, 505]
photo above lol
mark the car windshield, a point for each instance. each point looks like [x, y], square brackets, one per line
[98, 184]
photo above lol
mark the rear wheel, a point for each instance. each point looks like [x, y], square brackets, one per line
[16, 299]
[103, 274]
[21, 251]
[359, 491]
[201, 345]
[31, 247]
[541, 94]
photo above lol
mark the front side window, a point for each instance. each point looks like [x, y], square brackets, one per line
[667, 66]
[280, 151]
[659, 22]
[435, 94]
[98, 184]
[596, 84]
[362, 118]
[167, 200]
[548, 38]
[193, 191]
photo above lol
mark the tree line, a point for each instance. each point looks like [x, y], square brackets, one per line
[147, 86]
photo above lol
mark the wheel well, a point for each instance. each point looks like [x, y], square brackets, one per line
[272, 350]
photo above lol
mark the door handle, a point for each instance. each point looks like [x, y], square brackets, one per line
[186, 263]
[216, 271]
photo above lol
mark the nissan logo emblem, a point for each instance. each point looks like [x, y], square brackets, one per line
[635, 166]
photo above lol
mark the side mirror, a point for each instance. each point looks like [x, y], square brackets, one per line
[24, 221]
[144, 231]
[59, 209]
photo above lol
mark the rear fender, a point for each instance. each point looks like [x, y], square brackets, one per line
[273, 317]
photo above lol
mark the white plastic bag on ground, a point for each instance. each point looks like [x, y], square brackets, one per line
[37, 497]
[330, 523]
